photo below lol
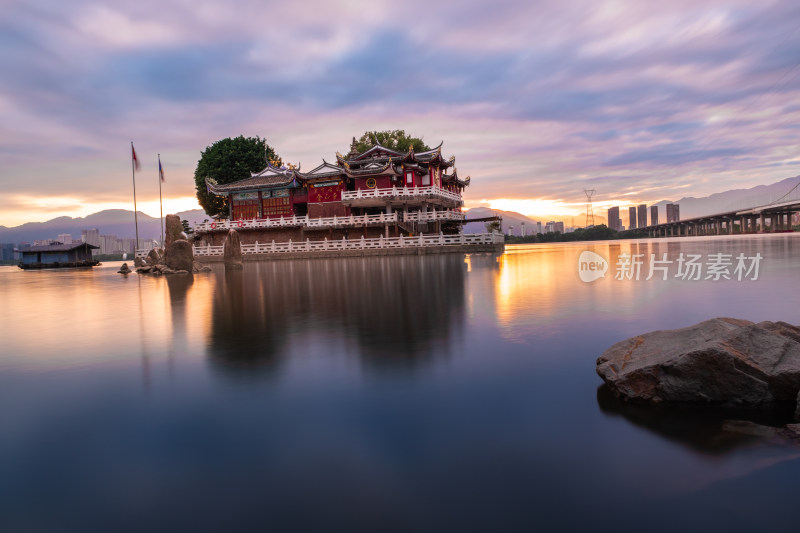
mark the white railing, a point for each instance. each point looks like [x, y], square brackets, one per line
[419, 216]
[294, 221]
[401, 192]
[417, 241]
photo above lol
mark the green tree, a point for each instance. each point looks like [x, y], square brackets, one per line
[187, 229]
[394, 139]
[226, 161]
[494, 226]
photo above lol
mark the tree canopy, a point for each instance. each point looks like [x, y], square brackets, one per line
[394, 139]
[226, 161]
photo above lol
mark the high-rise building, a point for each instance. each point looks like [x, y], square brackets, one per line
[559, 227]
[614, 222]
[641, 221]
[539, 226]
[91, 236]
[64, 238]
[653, 215]
[631, 218]
[521, 229]
[673, 213]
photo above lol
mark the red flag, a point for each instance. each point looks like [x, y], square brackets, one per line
[135, 159]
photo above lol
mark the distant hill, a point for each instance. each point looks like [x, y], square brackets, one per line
[119, 222]
[734, 199]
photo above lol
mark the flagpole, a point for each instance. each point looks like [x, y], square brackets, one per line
[135, 214]
[160, 203]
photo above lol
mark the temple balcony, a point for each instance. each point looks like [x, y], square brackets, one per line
[295, 221]
[380, 197]
[433, 216]
[325, 245]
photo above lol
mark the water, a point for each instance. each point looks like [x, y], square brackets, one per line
[431, 393]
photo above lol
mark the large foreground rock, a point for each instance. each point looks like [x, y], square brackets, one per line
[723, 360]
[173, 230]
[180, 255]
[232, 251]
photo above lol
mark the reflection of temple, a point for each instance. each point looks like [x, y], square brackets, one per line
[378, 192]
[391, 310]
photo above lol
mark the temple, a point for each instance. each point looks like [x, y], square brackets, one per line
[378, 193]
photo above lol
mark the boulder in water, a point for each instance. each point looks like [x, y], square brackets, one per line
[232, 251]
[180, 255]
[722, 361]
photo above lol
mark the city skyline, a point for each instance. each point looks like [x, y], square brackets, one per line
[536, 100]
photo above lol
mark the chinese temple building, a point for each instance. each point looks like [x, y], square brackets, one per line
[380, 192]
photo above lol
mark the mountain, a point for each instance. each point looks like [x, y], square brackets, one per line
[734, 199]
[119, 222]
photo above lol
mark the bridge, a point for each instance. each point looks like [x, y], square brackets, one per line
[770, 218]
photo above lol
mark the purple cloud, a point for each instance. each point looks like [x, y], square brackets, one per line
[534, 98]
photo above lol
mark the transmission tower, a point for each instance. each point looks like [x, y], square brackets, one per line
[589, 212]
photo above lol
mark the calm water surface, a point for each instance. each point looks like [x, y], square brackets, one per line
[433, 393]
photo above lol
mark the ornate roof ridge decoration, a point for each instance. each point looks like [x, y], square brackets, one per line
[373, 170]
[265, 181]
[342, 161]
[454, 177]
[433, 151]
[377, 147]
[272, 171]
[325, 170]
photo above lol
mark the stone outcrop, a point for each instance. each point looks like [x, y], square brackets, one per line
[173, 230]
[797, 410]
[232, 251]
[180, 255]
[176, 258]
[154, 257]
[124, 269]
[721, 361]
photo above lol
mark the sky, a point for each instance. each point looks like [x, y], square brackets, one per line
[538, 100]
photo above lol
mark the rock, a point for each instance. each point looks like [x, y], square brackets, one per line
[154, 257]
[172, 230]
[180, 272]
[180, 255]
[205, 268]
[232, 251]
[124, 269]
[138, 262]
[144, 270]
[720, 361]
[791, 432]
[797, 410]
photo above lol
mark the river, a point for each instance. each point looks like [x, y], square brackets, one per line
[410, 393]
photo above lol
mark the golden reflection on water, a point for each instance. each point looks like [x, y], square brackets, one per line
[63, 318]
[539, 285]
